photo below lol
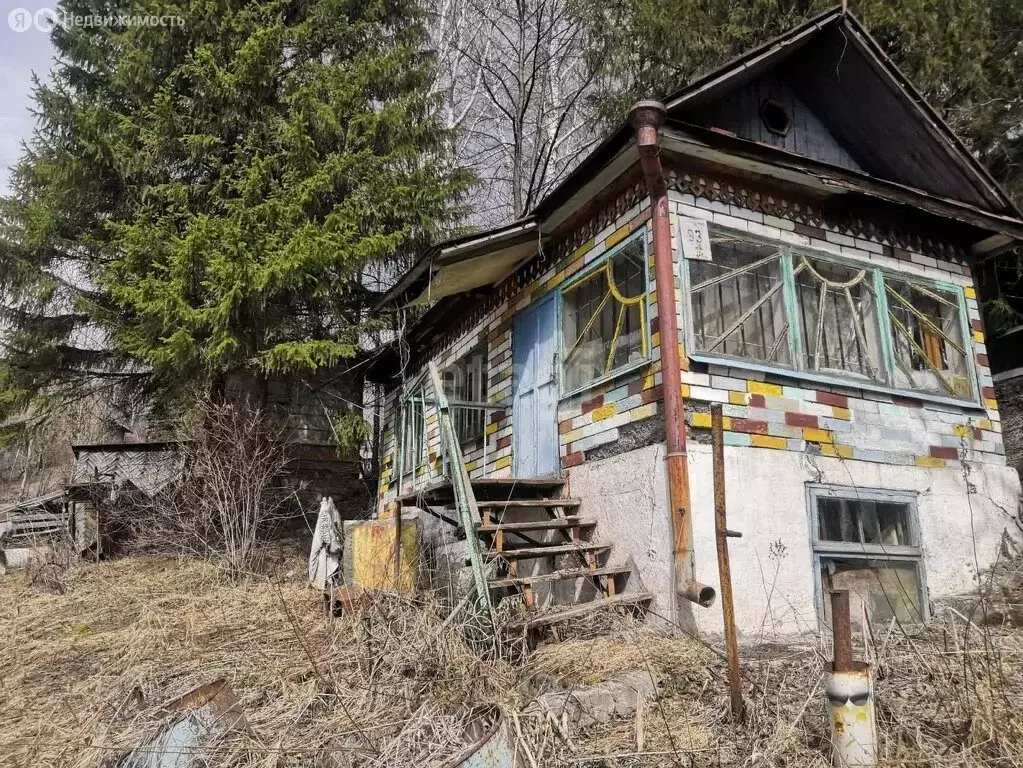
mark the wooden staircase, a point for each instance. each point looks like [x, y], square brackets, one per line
[541, 551]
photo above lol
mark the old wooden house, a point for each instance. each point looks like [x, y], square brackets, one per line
[790, 236]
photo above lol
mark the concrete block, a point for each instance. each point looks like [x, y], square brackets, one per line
[797, 393]
[782, 403]
[599, 703]
[765, 414]
[784, 430]
[866, 454]
[709, 395]
[740, 439]
[835, 425]
[896, 435]
[899, 457]
[594, 440]
[726, 382]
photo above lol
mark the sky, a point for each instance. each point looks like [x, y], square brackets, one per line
[21, 54]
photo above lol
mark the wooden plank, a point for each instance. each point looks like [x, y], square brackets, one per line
[539, 525]
[546, 619]
[563, 575]
[519, 482]
[527, 553]
[529, 503]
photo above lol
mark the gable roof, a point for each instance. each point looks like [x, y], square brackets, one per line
[843, 75]
[904, 152]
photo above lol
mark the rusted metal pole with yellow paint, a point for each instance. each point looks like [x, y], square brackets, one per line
[850, 688]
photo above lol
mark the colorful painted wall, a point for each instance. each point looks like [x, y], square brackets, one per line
[771, 411]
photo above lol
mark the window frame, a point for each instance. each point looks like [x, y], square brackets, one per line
[584, 274]
[823, 549]
[406, 412]
[787, 252]
[482, 349]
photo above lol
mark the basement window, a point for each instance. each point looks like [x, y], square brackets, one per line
[465, 383]
[867, 542]
[604, 317]
[828, 319]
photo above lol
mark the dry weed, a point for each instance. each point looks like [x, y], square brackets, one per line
[85, 673]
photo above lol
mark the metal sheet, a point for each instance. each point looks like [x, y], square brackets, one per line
[205, 715]
[494, 746]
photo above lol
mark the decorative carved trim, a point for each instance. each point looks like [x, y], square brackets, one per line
[840, 217]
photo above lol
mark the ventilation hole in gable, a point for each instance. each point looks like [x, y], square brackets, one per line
[775, 117]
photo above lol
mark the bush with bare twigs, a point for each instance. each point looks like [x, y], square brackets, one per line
[231, 498]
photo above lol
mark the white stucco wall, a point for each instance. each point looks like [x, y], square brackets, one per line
[766, 498]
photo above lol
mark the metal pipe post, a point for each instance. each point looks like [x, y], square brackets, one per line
[724, 567]
[850, 688]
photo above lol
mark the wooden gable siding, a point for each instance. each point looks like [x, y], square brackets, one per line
[740, 113]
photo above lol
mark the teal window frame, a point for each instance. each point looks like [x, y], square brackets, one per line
[795, 337]
[586, 274]
[824, 550]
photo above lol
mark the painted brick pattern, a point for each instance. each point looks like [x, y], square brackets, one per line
[783, 412]
[768, 411]
[492, 456]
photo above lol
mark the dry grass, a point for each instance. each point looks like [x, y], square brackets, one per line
[948, 694]
[85, 672]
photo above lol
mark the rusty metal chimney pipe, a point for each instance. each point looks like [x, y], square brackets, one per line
[647, 118]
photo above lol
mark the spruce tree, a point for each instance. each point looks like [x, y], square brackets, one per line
[208, 195]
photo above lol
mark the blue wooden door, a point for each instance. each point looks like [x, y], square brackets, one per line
[535, 390]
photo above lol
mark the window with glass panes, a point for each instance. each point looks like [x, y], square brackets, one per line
[604, 314]
[780, 306]
[866, 541]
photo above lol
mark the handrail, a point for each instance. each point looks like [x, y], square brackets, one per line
[465, 499]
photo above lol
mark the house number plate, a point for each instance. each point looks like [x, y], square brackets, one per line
[695, 240]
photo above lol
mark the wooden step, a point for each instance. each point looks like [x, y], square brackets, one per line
[564, 575]
[540, 525]
[635, 599]
[529, 553]
[528, 504]
[489, 488]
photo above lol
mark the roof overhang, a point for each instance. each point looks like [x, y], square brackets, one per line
[483, 261]
[472, 247]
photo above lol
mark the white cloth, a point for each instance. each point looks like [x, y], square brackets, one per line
[325, 554]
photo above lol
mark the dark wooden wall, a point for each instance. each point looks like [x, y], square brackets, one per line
[807, 136]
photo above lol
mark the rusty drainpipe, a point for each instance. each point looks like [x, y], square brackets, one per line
[647, 118]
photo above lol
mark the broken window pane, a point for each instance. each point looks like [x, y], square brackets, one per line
[466, 381]
[866, 543]
[838, 318]
[738, 301]
[930, 353]
[863, 521]
[882, 589]
[604, 318]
